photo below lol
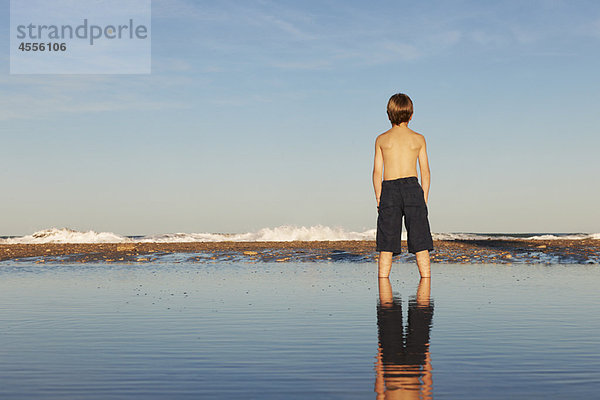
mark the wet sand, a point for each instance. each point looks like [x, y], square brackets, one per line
[454, 251]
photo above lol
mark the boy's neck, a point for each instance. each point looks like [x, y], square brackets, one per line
[401, 125]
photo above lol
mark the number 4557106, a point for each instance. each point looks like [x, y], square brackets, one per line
[42, 46]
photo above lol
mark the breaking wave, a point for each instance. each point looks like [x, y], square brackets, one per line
[278, 234]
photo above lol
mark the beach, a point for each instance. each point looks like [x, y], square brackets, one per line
[504, 251]
[297, 330]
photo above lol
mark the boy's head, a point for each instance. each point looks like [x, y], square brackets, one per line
[399, 108]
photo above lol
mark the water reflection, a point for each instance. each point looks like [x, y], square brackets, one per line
[403, 361]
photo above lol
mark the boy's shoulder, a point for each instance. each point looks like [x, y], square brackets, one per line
[407, 131]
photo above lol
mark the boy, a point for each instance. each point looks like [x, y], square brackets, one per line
[396, 154]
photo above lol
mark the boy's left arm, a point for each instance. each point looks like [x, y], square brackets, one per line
[425, 173]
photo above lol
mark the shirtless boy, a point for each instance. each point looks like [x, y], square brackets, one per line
[397, 152]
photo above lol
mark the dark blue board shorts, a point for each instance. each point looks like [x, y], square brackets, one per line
[403, 197]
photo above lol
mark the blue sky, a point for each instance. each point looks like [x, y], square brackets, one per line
[264, 113]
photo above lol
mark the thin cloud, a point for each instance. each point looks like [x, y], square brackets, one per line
[402, 51]
[316, 64]
[51, 95]
[284, 26]
[167, 64]
[19, 107]
[445, 38]
[591, 29]
[486, 38]
[524, 35]
[182, 9]
[238, 101]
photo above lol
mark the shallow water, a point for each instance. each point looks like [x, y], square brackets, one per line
[296, 331]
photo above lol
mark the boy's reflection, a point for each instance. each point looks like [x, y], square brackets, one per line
[403, 361]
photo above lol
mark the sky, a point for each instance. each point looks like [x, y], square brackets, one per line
[264, 113]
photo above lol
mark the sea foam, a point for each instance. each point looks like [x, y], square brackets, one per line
[578, 236]
[285, 233]
[66, 235]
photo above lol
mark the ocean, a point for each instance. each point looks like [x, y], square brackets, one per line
[277, 234]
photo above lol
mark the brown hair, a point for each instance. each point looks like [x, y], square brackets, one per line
[399, 108]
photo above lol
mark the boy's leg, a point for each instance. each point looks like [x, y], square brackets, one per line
[417, 227]
[423, 263]
[385, 263]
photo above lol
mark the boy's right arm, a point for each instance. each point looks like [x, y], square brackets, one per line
[377, 171]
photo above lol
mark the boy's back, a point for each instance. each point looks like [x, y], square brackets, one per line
[400, 149]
